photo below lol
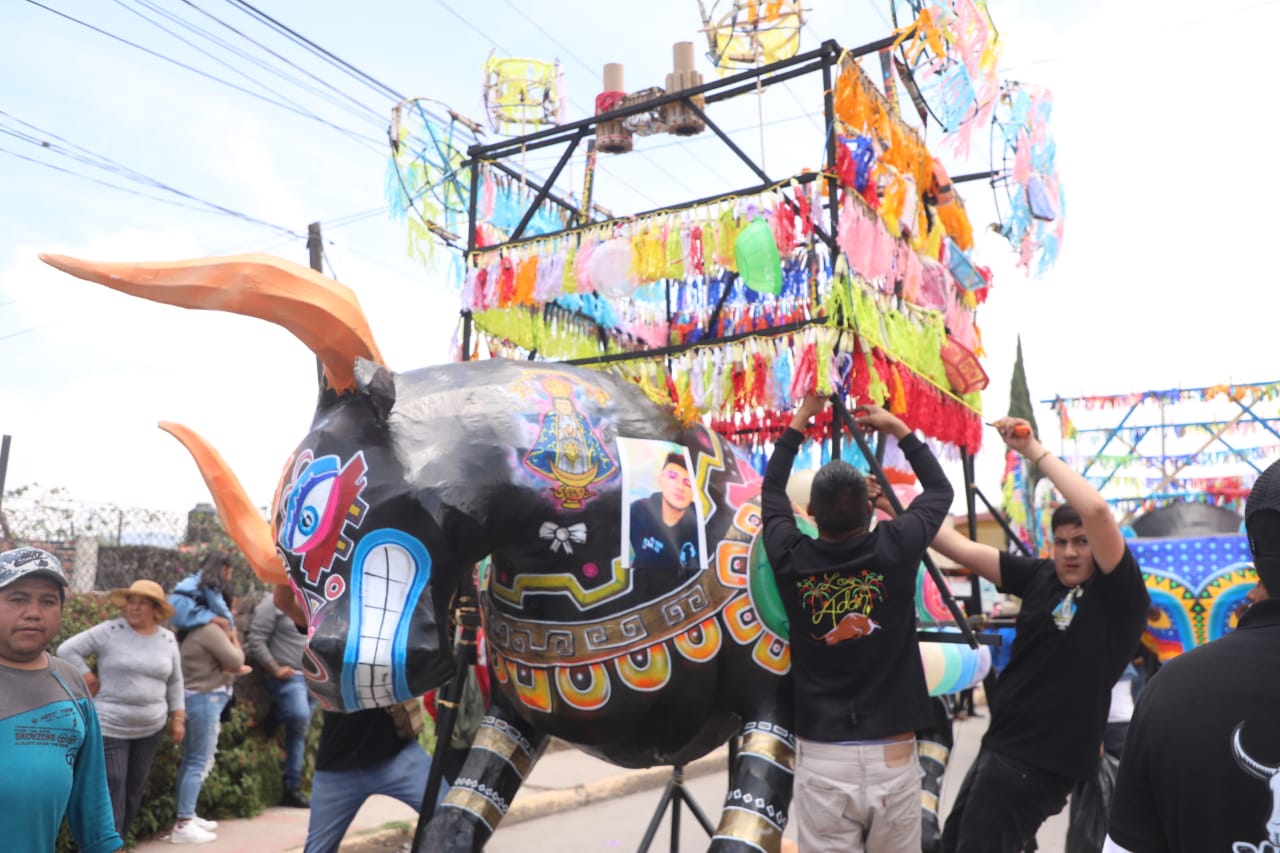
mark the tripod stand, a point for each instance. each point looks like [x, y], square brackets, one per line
[673, 795]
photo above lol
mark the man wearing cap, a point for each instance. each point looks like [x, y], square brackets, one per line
[138, 686]
[1201, 766]
[50, 742]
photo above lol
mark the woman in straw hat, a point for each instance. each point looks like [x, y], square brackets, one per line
[137, 686]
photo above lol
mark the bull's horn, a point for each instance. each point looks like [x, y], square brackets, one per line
[241, 520]
[1256, 768]
[319, 311]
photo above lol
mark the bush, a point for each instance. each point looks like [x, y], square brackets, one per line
[247, 774]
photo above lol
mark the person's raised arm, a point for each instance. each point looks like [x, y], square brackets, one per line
[929, 509]
[1105, 539]
[780, 531]
[981, 559]
[774, 502]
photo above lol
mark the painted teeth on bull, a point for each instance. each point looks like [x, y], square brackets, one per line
[387, 576]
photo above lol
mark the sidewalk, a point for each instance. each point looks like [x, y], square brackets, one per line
[563, 779]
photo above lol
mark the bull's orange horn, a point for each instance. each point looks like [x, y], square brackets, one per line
[241, 520]
[319, 311]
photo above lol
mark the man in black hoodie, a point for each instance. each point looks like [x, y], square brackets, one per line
[860, 690]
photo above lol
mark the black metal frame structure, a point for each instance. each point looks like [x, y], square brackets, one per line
[821, 60]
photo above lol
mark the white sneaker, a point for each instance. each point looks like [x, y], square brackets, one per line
[188, 832]
[206, 825]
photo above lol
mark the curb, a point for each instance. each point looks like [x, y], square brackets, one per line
[561, 800]
[546, 803]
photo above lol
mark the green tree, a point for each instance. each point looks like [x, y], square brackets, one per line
[1019, 394]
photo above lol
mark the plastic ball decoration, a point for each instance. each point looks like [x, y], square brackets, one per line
[610, 269]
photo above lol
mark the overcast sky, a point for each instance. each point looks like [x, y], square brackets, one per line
[1162, 119]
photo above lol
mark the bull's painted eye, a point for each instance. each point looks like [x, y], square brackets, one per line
[312, 506]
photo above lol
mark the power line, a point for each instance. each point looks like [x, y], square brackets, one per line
[92, 179]
[284, 106]
[24, 331]
[550, 37]
[95, 160]
[373, 114]
[331, 58]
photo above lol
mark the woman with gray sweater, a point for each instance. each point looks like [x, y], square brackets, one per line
[137, 686]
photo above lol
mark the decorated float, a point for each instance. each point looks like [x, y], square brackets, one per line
[602, 360]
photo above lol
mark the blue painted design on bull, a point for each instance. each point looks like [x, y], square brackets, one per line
[402, 581]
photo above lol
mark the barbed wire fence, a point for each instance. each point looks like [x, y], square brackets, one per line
[104, 546]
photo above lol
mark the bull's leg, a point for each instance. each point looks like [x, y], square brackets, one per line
[505, 750]
[934, 747]
[755, 809]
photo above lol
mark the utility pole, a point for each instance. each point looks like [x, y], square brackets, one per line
[315, 252]
[4, 470]
[315, 248]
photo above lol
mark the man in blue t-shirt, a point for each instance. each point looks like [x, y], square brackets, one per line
[664, 527]
[49, 735]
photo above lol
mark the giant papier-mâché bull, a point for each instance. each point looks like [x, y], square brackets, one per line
[635, 643]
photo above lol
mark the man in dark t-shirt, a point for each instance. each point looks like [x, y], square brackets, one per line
[1082, 616]
[374, 751]
[361, 754]
[860, 691]
[1201, 766]
[664, 526]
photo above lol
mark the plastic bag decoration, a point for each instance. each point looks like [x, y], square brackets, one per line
[521, 95]
[746, 33]
[756, 253]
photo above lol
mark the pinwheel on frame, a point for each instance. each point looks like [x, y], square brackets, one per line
[1029, 197]
[949, 50]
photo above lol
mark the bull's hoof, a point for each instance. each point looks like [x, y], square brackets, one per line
[453, 831]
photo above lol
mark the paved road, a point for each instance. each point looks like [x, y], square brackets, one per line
[619, 824]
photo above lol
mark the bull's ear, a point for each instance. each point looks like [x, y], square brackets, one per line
[378, 385]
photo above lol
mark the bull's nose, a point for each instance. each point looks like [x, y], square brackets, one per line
[390, 569]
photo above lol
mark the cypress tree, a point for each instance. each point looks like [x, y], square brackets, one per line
[1019, 395]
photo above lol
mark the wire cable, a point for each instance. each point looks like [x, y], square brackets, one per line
[364, 108]
[107, 164]
[94, 180]
[229, 66]
[284, 106]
